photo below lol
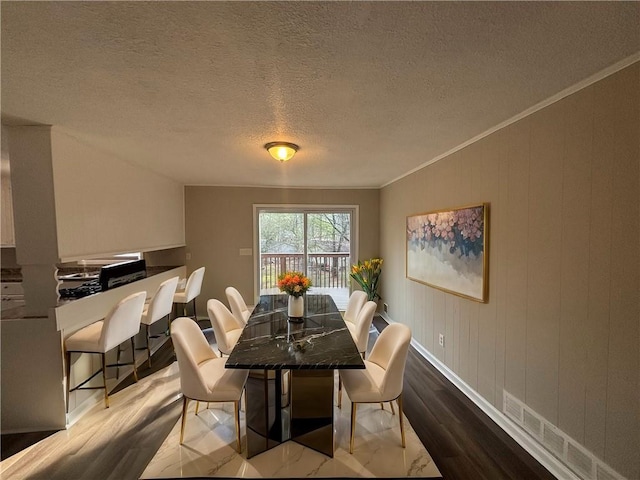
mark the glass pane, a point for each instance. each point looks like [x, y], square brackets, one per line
[281, 247]
[328, 257]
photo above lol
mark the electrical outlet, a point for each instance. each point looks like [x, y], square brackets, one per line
[441, 340]
[187, 256]
[385, 307]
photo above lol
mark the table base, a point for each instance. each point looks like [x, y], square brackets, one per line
[300, 410]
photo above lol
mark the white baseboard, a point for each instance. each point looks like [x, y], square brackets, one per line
[547, 459]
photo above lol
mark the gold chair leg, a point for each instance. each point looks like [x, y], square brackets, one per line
[393, 410]
[339, 392]
[399, 400]
[133, 360]
[148, 346]
[197, 406]
[353, 425]
[381, 406]
[185, 404]
[207, 405]
[104, 379]
[237, 414]
[68, 372]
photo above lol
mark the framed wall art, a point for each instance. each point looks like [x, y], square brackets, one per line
[448, 250]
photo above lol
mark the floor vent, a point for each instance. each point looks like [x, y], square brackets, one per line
[581, 461]
[553, 440]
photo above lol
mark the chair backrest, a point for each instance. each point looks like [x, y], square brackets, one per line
[222, 321]
[123, 321]
[194, 284]
[162, 302]
[356, 302]
[363, 324]
[238, 306]
[192, 348]
[390, 352]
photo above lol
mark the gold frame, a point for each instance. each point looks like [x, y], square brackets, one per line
[485, 251]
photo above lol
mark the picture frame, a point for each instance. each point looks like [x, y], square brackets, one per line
[449, 250]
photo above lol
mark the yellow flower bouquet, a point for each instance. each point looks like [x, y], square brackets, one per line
[367, 274]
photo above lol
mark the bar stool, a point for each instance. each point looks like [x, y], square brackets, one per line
[158, 308]
[190, 292]
[122, 323]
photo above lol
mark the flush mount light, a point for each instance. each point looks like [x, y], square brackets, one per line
[282, 151]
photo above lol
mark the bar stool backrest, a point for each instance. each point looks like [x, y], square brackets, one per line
[162, 302]
[194, 284]
[123, 321]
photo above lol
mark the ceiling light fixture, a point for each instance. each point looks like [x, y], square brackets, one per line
[282, 151]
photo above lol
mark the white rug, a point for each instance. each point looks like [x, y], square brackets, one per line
[209, 449]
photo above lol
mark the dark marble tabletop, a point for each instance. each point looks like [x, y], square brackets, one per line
[271, 342]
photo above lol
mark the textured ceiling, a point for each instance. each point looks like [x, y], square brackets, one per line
[369, 90]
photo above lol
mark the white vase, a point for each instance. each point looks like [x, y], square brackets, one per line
[296, 307]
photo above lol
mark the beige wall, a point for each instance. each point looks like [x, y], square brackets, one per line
[219, 222]
[561, 330]
[106, 205]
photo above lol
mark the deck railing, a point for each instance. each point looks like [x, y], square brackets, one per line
[324, 269]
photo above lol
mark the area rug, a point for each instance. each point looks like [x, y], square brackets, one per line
[209, 449]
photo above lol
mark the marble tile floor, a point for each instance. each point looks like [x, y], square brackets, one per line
[144, 421]
[209, 450]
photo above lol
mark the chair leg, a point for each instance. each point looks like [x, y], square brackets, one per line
[148, 346]
[237, 414]
[353, 425]
[339, 392]
[399, 400]
[197, 406]
[195, 316]
[381, 406]
[104, 379]
[185, 404]
[68, 373]
[133, 359]
[118, 363]
[393, 410]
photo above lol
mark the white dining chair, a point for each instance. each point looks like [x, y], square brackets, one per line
[226, 327]
[360, 328]
[203, 376]
[381, 380]
[238, 305]
[356, 301]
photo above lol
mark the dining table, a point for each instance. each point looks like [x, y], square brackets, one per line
[292, 361]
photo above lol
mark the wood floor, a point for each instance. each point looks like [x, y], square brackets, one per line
[462, 440]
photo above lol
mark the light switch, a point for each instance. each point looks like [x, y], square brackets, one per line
[246, 252]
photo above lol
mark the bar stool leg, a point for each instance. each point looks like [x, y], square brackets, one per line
[133, 360]
[68, 373]
[104, 379]
[148, 346]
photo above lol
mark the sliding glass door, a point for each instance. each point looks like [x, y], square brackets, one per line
[318, 241]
